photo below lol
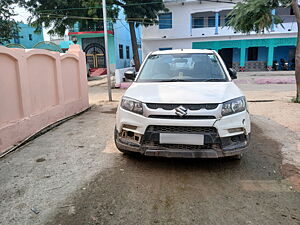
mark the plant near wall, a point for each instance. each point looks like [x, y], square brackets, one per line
[256, 15]
[8, 26]
[140, 12]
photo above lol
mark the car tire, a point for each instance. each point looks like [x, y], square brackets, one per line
[237, 157]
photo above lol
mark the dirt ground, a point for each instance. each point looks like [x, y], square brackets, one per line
[74, 174]
[279, 117]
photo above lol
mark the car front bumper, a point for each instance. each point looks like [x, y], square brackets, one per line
[225, 136]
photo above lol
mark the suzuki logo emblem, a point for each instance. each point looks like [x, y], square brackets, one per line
[180, 111]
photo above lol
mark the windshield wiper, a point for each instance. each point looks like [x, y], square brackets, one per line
[214, 79]
[173, 80]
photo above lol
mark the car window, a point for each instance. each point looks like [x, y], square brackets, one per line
[182, 67]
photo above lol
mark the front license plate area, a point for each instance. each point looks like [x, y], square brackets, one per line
[185, 139]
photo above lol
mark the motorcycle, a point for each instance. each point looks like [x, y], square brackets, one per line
[283, 64]
[275, 65]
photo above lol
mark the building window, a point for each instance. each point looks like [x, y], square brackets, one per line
[165, 21]
[226, 20]
[212, 21]
[30, 37]
[252, 54]
[127, 52]
[164, 49]
[121, 55]
[197, 22]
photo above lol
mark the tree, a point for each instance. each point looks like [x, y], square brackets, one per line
[8, 26]
[140, 12]
[59, 15]
[256, 15]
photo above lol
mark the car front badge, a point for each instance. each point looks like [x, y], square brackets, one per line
[180, 111]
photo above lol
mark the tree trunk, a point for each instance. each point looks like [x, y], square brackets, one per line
[135, 51]
[297, 56]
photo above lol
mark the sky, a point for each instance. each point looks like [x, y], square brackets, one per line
[23, 15]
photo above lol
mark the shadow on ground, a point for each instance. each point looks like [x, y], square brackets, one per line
[141, 190]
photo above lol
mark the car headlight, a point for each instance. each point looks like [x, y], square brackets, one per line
[234, 106]
[132, 105]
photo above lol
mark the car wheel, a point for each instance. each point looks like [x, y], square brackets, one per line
[237, 157]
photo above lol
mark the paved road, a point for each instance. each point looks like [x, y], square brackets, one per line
[75, 175]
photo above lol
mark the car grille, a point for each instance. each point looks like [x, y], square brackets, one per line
[182, 129]
[151, 138]
[187, 106]
[182, 118]
[178, 146]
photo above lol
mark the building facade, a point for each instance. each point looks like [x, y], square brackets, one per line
[201, 25]
[91, 40]
[26, 37]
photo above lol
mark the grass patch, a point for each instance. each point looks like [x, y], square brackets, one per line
[296, 100]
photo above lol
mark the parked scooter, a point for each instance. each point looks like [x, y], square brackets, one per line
[275, 65]
[292, 64]
[284, 65]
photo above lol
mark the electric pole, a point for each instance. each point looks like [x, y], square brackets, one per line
[106, 50]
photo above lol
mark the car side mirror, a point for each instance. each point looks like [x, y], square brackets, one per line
[130, 74]
[232, 73]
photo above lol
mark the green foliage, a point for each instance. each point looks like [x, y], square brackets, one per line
[296, 100]
[61, 14]
[142, 12]
[255, 15]
[8, 27]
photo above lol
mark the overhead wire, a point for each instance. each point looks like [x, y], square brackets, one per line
[100, 7]
[129, 20]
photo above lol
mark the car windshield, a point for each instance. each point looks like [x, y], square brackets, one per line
[182, 67]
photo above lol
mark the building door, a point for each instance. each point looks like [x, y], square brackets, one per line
[227, 55]
[95, 56]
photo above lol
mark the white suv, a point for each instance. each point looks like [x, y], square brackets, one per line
[183, 103]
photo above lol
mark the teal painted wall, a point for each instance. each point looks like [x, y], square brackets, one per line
[122, 37]
[262, 54]
[111, 44]
[65, 44]
[24, 33]
[236, 55]
[282, 52]
[216, 45]
[111, 50]
[266, 50]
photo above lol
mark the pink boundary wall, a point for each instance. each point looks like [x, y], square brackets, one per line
[38, 88]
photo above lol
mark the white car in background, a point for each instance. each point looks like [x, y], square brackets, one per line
[183, 103]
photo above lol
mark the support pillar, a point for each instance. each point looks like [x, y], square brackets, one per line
[76, 27]
[242, 59]
[270, 57]
[191, 25]
[273, 24]
[217, 15]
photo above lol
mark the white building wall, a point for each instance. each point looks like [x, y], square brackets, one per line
[181, 35]
[181, 19]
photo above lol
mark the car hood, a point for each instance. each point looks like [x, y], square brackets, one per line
[183, 92]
